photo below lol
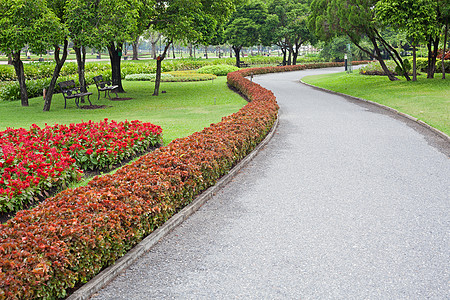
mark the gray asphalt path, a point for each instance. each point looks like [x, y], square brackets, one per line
[343, 203]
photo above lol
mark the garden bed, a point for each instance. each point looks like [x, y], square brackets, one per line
[35, 161]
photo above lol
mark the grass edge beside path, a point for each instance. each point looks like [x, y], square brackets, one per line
[427, 100]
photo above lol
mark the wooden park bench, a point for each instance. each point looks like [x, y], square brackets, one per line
[105, 86]
[71, 91]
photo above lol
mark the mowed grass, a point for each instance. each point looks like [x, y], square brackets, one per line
[426, 99]
[185, 108]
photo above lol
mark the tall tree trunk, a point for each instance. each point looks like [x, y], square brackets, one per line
[154, 49]
[206, 52]
[159, 60]
[116, 75]
[237, 51]
[414, 63]
[59, 64]
[432, 46]
[295, 55]
[136, 49]
[444, 50]
[190, 50]
[18, 66]
[284, 51]
[124, 49]
[289, 60]
[231, 51]
[173, 51]
[9, 59]
[80, 53]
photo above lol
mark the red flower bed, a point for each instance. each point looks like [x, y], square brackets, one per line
[36, 160]
[69, 238]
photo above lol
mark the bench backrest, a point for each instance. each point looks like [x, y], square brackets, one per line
[66, 85]
[100, 83]
[98, 78]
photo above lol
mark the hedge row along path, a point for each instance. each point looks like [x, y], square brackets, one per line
[345, 202]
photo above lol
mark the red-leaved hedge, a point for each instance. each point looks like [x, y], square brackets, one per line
[69, 238]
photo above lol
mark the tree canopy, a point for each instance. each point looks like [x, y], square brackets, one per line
[244, 27]
[27, 23]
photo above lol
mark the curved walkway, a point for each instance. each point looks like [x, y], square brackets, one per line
[343, 203]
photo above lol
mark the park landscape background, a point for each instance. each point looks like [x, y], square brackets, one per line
[182, 103]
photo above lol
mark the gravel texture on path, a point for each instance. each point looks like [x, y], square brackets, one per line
[345, 202]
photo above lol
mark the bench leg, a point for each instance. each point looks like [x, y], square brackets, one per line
[89, 100]
[114, 91]
[98, 98]
[77, 100]
[65, 103]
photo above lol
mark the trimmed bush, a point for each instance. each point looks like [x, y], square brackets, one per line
[174, 76]
[146, 77]
[218, 70]
[374, 67]
[422, 65]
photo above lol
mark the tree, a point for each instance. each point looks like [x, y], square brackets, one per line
[26, 22]
[118, 21]
[244, 27]
[178, 20]
[145, 11]
[81, 19]
[415, 17]
[57, 6]
[444, 7]
[288, 26]
[356, 19]
[153, 38]
[104, 24]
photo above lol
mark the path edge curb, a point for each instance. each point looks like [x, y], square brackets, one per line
[108, 274]
[414, 119]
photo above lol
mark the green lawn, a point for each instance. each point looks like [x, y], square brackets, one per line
[425, 99]
[186, 107]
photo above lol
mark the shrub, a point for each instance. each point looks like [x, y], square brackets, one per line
[146, 77]
[174, 76]
[189, 76]
[218, 70]
[374, 68]
[407, 68]
[422, 65]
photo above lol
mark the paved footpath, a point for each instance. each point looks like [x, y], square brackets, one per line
[345, 202]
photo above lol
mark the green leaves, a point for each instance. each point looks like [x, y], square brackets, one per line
[29, 22]
[243, 28]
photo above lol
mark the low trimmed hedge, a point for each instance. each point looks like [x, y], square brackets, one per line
[174, 76]
[218, 70]
[69, 238]
[422, 65]
[146, 77]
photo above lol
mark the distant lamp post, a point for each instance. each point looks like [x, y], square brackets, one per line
[345, 62]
